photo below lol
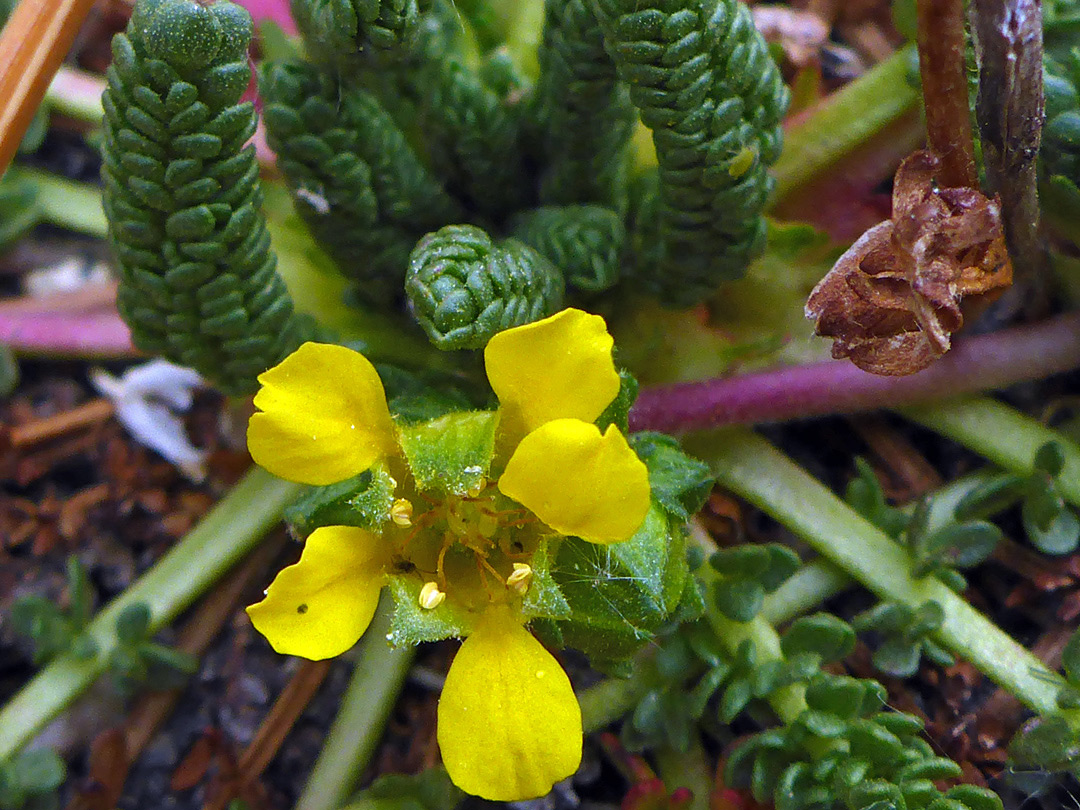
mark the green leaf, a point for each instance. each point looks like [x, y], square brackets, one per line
[974, 797]
[838, 695]
[739, 599]
[618, 412]
[822, 633]
[995, 495]
[961, 545]
[363, 501]
[1050, 459]
[1042, 503]
[865, 496]
[412, 624]
[543, 598]
[40, 771]
[1070, 658]
[451, 453]
[680, 483]
[133, 623]
[1048, 743]
[1060, 536]
[429, 790]
[897, 657]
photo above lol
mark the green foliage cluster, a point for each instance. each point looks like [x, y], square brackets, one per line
[133, 661]
[843, 751]
[30, 780]
[904, 636]
[1051, 526]
[53, 629]
[198, 279]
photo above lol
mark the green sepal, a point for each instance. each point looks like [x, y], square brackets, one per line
[618, 412]
[420, 397]
[363, 501]
[544, 599]
[412, 624]
[621, 594]
[451, 453]
[680, 484]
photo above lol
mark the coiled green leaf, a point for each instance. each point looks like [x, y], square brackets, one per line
[470, 134]
[704, 83]
[584, 114]
[358, 184]
[199, 282]
[464, 288]
[584, 241]
[339, 30]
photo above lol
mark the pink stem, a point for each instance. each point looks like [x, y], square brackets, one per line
[97, 333]
[974, 364]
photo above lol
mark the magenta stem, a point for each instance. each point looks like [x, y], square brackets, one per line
[974, 364]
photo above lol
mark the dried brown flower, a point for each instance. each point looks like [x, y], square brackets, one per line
[892, 301]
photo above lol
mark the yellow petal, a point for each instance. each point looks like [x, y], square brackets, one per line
[554, 368]
[323, 416]
[319, 607]
[578, 481]
[509, 724]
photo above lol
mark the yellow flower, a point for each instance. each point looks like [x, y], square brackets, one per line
[509, 725]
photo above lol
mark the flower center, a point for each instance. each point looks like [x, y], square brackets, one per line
[473, 549]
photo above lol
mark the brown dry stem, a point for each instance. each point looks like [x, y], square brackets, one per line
[892, 301]
[941, 42]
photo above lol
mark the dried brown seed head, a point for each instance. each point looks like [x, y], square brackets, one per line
[892, 301]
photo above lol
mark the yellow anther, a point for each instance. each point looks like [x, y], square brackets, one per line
[477, 488]
[401, 512]
[521, 578]
[430, 596]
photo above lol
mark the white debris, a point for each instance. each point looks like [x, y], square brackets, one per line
[66, 276]
[149, 400]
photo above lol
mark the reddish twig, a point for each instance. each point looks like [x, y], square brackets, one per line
[975, 364]
[944, 83]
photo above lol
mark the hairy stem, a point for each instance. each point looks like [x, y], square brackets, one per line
[755, 470]
[945, 95]
[975, 364]
[222, 538]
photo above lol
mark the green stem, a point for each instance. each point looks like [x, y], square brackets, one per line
[76, 94]
[66, 203]
[845, 119]
[755, 470]
[222, 538]
[804, 591]
[687, 769]
[1002, 434]
[376, 681]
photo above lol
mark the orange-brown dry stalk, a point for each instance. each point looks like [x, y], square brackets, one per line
[34, 42]
[944, 84]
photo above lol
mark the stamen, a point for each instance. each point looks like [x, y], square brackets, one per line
[521, 578]
[430, 596]
[401, 512]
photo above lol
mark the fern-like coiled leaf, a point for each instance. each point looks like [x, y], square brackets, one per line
[358, 184]
[702, 78]
[583, 112]
[339, 30]
[470, 134]
[584, 241]
[199, 282]
[463, 288]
